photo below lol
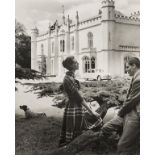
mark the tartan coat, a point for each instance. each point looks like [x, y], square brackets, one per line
[73, 119]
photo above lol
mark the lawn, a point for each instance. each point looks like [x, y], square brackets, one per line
[37, 136]
[40, 136]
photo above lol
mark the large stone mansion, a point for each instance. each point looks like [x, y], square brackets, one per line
[104, 41]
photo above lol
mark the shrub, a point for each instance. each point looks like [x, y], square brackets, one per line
[26, 73]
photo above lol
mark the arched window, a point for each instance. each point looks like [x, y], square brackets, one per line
[92, 64]
[72, 43]
[90, 40]
[86, 64]
[62, 45]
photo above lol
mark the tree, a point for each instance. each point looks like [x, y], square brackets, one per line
[22, 46]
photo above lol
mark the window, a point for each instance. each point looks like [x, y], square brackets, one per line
[62, 45]
[72, 43]
[42, 64]
[89, 64]
[86, 63]
[52, 67]
[90, 40]
[92, 63]
[42, 49]
[39, 66]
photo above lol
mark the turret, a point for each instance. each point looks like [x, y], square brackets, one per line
[68, 23]
[34, 35]
[56, 44]
[63, 15]
[108, 7]
[49, 28]
[77, 35]
[108, 25]
[67, 37]
[77, 19]
[56, 28]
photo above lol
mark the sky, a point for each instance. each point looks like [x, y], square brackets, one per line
[42, 12]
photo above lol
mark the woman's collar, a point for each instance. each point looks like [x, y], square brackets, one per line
[70, 73]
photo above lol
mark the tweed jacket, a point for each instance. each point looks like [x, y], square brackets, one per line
[133, 97]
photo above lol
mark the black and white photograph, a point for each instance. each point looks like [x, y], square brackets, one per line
[77, 77]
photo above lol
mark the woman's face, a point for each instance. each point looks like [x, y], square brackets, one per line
[75, 65]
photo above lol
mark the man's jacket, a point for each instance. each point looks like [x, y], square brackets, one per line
[133, 97]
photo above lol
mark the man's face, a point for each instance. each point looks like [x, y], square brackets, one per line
[131, 69]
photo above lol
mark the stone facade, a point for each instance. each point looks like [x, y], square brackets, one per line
[104, 42]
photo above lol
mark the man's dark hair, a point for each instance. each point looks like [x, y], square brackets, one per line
[134, 60]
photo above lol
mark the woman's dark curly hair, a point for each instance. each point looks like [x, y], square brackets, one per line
[67, 63]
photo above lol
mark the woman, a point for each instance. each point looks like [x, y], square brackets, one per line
[73, 119]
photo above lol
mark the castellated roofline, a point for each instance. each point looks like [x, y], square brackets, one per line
[87, 20]
[129, 18]
[118, 17]
[135, 13]
[108, 3]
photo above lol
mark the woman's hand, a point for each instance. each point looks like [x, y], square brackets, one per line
[94, 113]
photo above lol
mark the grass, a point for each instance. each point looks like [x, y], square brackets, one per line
[36, 136]
[40, 136]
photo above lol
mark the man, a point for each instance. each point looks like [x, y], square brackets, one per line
[129, 115]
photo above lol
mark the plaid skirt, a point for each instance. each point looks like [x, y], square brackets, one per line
[73, 123]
